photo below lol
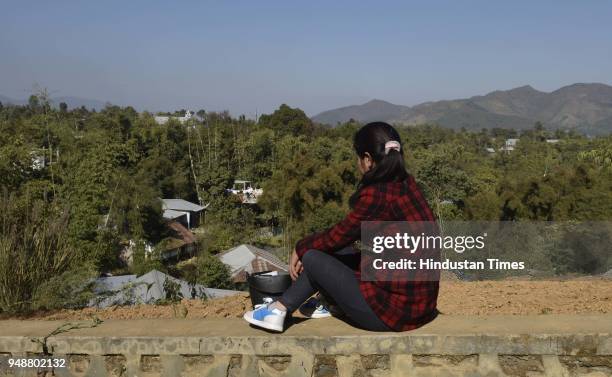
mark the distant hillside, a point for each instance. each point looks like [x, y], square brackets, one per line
[72, 102]
[368, 112]
[584, 107]
[7, 100]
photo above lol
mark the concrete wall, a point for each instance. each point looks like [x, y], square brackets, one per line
[420, 354]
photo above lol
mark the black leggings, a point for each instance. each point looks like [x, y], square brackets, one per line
[334, 277]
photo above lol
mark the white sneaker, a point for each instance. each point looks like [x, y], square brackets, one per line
[263, 316]
[265, 302]
[314, 308]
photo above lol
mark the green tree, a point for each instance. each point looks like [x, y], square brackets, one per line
[287, 120]
[34, 103]
[211, 272]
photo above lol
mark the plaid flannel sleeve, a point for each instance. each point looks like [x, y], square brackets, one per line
[347, 231]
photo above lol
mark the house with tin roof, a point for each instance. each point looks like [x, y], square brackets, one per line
[248, 259]
[181, 243]
[183, 211]
[147, 289]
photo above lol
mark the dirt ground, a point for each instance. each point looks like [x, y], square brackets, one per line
[589, 296]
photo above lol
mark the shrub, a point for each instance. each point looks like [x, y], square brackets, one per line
[209, 271]
[36, 257]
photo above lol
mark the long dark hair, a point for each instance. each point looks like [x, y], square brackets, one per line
[388, 167]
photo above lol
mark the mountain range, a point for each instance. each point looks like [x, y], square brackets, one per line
[583, 107]
[586, 108]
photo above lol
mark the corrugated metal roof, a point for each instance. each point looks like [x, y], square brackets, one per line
[171, 214]
[148, 288]
[181, 232]
[181, 205]
[112, 283]
[269, 257]
[250, 258]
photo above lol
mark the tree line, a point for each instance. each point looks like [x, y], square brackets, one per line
[77, 185]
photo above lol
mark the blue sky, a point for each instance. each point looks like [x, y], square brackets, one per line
[248, 56]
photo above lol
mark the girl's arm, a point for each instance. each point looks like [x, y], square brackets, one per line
[369, 203]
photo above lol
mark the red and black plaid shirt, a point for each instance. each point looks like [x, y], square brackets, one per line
[402, 305]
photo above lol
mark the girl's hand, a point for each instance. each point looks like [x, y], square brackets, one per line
[295, 266]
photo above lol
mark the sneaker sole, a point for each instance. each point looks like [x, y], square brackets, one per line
[316, 316]
[313, 316]
[265, 325]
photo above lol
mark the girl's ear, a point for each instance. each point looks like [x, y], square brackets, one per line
[368, 161]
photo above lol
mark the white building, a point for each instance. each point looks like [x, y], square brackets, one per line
[245, 191]
[164, 119]
[509, 145]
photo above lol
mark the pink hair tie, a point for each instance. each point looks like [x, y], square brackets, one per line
[392, 144]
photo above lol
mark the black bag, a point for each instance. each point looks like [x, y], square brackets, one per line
[262, 284]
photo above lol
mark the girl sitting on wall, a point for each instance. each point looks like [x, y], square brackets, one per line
[386, 192]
